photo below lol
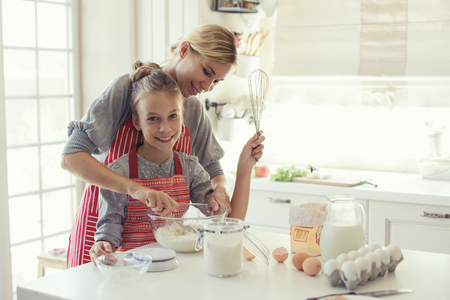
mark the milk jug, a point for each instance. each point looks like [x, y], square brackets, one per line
[344, 228]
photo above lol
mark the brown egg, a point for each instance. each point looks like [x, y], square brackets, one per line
[298, 260]
[247, 254]
[280, 254]
[312, 266]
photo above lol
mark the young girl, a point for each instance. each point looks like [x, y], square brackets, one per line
[156, 106]
[198, 63]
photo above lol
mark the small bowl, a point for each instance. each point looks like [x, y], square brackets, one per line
[169, 234]
[123, 265]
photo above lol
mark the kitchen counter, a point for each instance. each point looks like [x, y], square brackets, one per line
[425, 273]
[403, 187]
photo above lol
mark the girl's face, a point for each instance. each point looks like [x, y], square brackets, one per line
[196, 73]
[160, 121]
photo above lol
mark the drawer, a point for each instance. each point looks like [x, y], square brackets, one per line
[418, 213]
[272, 208]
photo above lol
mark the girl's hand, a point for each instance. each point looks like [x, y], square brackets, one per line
[220, 199]
[158, 201]
[252, 149]
[100, 248]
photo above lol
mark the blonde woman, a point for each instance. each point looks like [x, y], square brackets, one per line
[200, 61]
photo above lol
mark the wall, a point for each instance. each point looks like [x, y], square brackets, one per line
[114, 34]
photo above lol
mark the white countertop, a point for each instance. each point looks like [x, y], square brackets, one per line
[398, 187]
[425, 273]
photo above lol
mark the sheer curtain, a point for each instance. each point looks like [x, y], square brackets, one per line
[363, 38]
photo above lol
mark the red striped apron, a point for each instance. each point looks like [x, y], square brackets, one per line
[137, 231]
[84, 225]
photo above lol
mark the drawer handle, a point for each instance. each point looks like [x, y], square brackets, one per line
[435, 216]
[279, 200]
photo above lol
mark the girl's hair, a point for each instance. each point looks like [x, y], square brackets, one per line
[148, 79]
[212, 41]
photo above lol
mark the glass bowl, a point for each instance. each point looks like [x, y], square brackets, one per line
[169, 232]
[123, 265]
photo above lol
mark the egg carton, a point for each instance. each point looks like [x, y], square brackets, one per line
[358, 267]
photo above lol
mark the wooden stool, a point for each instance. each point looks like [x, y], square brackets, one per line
[50, 261]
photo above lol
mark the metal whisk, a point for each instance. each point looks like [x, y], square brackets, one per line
[258, 84]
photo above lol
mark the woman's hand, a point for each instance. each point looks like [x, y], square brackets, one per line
[158, 201]
[100, 248]
[220, 198]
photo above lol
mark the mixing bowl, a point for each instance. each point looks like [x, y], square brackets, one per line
[123, 265]
[169, 231]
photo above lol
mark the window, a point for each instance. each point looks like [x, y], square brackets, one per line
[38, 79]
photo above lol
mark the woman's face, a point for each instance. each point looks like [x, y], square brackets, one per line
[196, 73]
[160, 121]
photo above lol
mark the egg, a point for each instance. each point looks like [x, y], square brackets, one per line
[298, 260]
[312, 266]
[385, 260]
[364, 250]
[350, 274]
[395, 255]
[354, 255]
[384, 256]
[375, 263]
[280, 254]
[330, 266]
[331, 270]
[394, 252]
[365, 268]
[373, 246]
[343, 258]
[247, 254]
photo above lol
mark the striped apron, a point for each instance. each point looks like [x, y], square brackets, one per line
[84, 225]
[137, 231]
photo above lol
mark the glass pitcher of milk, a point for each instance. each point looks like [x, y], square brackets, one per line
[344, 228]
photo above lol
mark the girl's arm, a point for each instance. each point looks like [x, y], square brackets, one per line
[239, 202]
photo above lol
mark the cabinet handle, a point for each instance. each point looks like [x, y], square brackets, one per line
[435, 216]
[280, 200]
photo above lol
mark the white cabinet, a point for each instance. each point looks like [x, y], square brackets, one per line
[409, 227]
[269, 211]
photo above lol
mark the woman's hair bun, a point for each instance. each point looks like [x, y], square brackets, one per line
[140, 70]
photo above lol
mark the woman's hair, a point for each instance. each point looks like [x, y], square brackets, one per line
[212, 41]
[148, 79]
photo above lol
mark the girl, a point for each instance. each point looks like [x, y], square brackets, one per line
[199, 61]
[156, 106]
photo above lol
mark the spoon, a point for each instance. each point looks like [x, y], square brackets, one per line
[186, 228]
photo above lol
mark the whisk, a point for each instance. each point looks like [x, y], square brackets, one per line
[258, 84]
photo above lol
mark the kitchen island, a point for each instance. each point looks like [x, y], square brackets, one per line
[425, 273]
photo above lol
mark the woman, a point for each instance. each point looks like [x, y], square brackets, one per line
[200, 60]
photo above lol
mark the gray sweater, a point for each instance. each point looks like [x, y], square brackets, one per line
[113, 206]
[95, 132]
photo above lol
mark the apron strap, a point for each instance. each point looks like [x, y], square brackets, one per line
[132, 162]
[177, 164]
[129, 122]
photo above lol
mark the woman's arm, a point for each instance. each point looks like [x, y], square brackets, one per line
[87, 168]
[239, 202]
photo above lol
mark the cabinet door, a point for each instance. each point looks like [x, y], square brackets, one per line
[271, 209]
[405, 225]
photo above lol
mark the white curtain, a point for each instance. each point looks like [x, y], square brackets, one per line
[381, 38]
